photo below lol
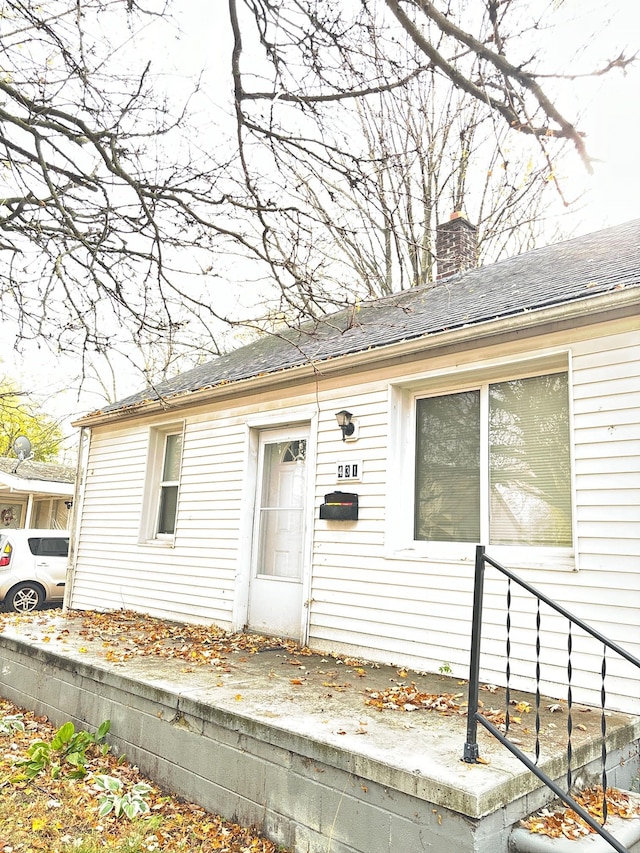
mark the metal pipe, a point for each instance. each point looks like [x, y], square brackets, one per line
[471, 754]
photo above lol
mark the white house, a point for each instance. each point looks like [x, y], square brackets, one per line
[499, 406]
[35, 494]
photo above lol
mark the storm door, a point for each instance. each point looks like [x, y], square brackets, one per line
[278, 554]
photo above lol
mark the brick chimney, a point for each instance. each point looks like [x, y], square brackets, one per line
[456, 246]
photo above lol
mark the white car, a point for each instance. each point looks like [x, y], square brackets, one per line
[33, 568]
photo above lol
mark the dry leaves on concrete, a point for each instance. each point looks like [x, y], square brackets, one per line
[123, 634]
[407, 697]
[60, 815]
[565, 823]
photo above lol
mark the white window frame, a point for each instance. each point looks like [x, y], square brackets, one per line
[154, 484]
[403, 397]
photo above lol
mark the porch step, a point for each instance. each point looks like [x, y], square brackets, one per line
[625, 831]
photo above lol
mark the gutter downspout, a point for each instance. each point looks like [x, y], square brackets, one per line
[74, 526]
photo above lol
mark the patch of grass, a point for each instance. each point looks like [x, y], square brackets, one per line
[61, 814]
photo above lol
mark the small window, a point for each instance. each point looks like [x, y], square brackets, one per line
[162, 484]
[495, 461]
[168, 495]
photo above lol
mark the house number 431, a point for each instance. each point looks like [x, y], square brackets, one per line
[351, 470]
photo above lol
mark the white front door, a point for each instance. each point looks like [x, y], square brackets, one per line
[278, 555]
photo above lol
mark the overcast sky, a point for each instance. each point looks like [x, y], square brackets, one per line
[609, 113]
[607, 109]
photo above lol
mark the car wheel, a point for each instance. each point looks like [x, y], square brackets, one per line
[25, 597]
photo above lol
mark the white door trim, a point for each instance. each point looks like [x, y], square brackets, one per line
[255, 426]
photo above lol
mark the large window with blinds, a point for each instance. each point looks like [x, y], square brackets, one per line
[493, 464]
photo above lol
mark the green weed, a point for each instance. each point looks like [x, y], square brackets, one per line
[114, 799]
[67, 753]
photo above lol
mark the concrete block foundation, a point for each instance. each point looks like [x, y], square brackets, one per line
[300, 776]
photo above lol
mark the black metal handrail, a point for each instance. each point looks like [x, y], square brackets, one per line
[471, 752]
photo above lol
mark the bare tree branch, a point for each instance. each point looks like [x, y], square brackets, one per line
[128, 217]
[516, 120]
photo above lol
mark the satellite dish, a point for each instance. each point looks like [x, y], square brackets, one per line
[22, 447]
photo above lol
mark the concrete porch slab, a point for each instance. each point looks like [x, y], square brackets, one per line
[287, 744]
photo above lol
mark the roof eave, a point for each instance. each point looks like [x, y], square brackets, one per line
[38, 487]
[595, 309]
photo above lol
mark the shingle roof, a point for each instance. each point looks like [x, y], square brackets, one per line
[42, 471]
[566, 272]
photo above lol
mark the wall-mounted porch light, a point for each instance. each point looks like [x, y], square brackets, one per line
[344, 422]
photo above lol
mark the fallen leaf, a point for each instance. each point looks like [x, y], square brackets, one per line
[409, 698]
[50, 814]
[564, 822]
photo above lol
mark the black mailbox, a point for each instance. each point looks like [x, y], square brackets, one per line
[339, 506]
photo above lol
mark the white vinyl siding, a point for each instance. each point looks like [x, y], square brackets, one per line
[368, 597]
[193, 580]
[605, 592]
[384, 604]
[350, 579]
